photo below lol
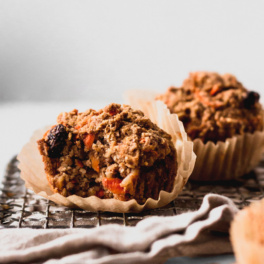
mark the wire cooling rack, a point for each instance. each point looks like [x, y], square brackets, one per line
[20, 207]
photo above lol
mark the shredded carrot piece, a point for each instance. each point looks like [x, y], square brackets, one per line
[113, 185]
[95, 163]
[204, 100]
[88, 140]
[142, 140]
[214, 90]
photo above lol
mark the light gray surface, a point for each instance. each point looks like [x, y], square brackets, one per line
[72, 49]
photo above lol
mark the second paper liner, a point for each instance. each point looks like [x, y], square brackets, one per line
[226, 160]
[32, 170]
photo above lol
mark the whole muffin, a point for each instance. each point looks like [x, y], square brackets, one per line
[214, 107]
[115, 152]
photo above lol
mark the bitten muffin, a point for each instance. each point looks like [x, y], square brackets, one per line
[115, 152]
[214, 107]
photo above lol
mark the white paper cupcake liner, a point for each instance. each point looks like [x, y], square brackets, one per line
[215, 162]
[32, 170]
[227, 160]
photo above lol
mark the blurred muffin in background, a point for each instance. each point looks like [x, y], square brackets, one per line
[214, 107]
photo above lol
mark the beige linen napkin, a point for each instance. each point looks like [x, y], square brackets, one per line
[152, 240]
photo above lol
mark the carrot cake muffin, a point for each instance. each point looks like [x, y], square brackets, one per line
[214, 107]
[115, 152]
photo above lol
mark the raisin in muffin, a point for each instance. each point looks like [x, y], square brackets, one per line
[214, 107]
[115, 152]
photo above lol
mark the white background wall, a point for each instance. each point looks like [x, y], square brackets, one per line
[87, 50]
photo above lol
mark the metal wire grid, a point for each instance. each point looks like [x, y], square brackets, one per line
[20, 207]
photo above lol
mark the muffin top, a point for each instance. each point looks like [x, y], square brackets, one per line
[119, 134]
[214, 107]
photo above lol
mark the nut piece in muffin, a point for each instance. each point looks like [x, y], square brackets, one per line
[115, 152]
[214, 107]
